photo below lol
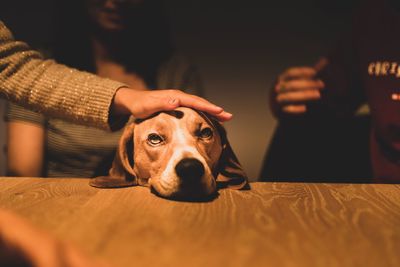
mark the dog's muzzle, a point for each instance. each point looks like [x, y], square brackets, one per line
[190, 171]
[192, 183]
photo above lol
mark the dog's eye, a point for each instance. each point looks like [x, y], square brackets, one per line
[206, 133]
[154, 139]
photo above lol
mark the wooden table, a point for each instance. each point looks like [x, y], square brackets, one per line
[274, 224]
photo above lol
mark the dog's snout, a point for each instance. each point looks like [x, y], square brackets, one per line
[189, 169]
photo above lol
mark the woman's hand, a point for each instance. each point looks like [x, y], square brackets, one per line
[142, 104]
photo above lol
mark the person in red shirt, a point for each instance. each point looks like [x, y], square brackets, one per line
[364, 68]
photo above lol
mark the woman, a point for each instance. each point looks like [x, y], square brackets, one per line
[116, 40]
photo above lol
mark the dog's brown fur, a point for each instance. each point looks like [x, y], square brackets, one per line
[138, 162]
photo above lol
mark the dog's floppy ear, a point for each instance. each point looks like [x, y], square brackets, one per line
[122, 173]
[230, 173]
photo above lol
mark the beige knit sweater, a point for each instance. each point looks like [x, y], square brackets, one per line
[53, 89]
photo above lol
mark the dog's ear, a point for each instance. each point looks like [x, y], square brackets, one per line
[230, 173]
[122, 172]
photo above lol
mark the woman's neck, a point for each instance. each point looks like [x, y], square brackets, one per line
[101, 52]
[108, 67]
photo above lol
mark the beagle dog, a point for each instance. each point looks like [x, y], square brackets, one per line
[180, 154]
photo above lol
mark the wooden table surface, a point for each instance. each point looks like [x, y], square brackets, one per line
[274, 224]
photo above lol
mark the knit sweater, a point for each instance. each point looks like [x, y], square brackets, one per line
[53, 89]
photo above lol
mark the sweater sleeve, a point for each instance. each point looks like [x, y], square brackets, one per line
[54, 89]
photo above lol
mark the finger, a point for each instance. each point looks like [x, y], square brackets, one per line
[205, 106]
[301, 96]
[171, 99]
[223, 116]
[299, 85]
[298, 72]
[321, 64]
[201, 104]
[295, 109]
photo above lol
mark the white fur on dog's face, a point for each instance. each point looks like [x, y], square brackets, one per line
[161, 142]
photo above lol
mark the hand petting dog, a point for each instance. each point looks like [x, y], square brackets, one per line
[149, 102]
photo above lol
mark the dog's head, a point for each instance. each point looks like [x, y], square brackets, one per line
[181, 154]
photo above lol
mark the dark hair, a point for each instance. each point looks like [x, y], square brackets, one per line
[144, 45]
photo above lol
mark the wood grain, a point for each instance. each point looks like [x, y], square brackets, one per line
[274, 224]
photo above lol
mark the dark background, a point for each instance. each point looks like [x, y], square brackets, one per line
[239, 47]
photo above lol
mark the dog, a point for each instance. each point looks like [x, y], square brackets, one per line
[180, 154]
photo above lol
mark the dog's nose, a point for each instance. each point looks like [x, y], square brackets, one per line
[189, 169]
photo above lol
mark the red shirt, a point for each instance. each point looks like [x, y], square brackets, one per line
[366, 68]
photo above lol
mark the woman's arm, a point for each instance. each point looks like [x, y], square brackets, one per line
[58, 91]
[25, 151]
[43, 85]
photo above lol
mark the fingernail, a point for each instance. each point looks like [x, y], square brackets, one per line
[227, 116]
